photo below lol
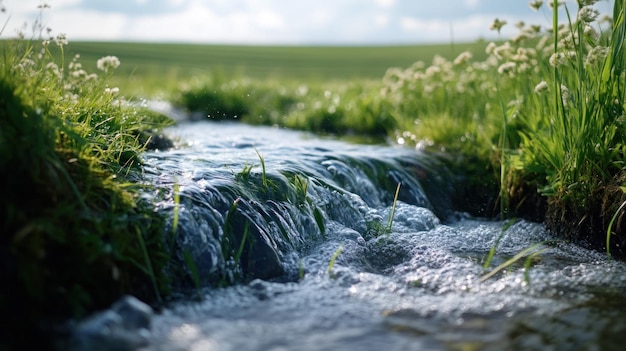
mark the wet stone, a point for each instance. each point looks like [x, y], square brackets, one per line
[125, 326]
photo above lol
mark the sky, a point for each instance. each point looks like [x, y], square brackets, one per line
[282, 22]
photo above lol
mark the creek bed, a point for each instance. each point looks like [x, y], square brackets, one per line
[296, 230]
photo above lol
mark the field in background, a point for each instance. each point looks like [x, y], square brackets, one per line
[148, 64]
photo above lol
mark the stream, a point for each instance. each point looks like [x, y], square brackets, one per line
[283, 241]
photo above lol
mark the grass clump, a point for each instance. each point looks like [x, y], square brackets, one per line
[75, 235]
[544, 112]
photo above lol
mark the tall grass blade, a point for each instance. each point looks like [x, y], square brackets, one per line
[533, 249]
[333, 258]
[493, 249]
[264, 174]
[393, 209]
[609, 230]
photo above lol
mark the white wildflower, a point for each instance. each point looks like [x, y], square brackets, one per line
[524, 67]
[536, 4]
[418, 65]
[418, 76]
[597, 54]
[557, 59]
[463, 58]
[565, 94]
[52, 66]
[75, 65]
[432, 71]
[591, 32]
[541, 87]
[71, 97]
[118, 102]
[588, 14]
[61, 40]
[519, 58]
[521, 37]
[112, 91]
[440, 61]
[516, 103]
[108, 62]
[497, 24]
[568, 40]
[79, 73]
[26, 64]
[521, 55]
[507, 67]
[503, 51]
[491, 61]
[490, 48]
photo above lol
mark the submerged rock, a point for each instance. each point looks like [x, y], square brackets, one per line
[125, 326]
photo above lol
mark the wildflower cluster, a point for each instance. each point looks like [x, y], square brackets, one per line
[108, 63]
[71, 78]
[559, 72]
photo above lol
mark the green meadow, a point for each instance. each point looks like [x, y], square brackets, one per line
[149, 68]
[295, 62]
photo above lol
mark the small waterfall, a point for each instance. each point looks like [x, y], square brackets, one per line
[248, 209]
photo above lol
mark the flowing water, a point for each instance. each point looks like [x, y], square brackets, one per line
[285, 243]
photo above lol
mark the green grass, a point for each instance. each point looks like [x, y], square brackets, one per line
[303, 62]
[153, 68]
[331, 262]
[74, 233]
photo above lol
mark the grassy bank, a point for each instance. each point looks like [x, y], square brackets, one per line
[74, 234]
[536, 124]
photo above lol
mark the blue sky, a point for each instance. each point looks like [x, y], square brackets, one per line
[278, 21]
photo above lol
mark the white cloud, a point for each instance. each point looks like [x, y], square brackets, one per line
[385, 3]
[472, 4]
[321, 16]
[199, 23]
[269, 19]
[381, 21]
[88, 24]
